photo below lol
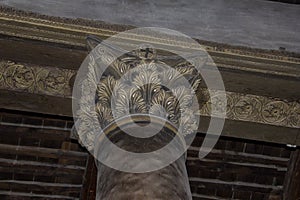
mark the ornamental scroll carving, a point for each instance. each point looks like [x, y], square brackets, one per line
[35, 79]
[241, 107]
[259, 109]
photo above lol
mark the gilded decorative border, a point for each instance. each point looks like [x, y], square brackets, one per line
[36, 79]
[259, 109]
[58, 82]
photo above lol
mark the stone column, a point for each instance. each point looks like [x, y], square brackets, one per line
[143, 106]
[170, 182]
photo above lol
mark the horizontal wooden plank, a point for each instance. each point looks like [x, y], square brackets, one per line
[34, 165]
[211, 191]
[51, 176]
[19, 130]
[35, 103]
[233, 184]
[30, 118]
[20, 135]
[41, 187]
[255, 131]
[9, 195]
[240, 157]
[207, 197]
[43, 152]
[41, 53]
[260, 84]
[231, 171]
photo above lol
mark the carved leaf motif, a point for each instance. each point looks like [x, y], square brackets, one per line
[184, 96]
[185, 69]
[137, 103]
[158, 110]
[105, 90]
[168, 102]
[131, 87]
[129, 102]
[188, 122]
[294, 118]
[121, 104]
[195, 83]
[170, 78]
[119, 68]
[51, 82]
[104, 115]
[148, 83]
[92, 75]
[146, 75]
[86, 116]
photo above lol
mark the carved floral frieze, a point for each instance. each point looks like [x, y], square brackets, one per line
[259, 109]
[35, 79]
[241, 107]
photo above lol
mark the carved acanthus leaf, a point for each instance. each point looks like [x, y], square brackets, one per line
[148, 88]
[169, 103]
[105, 90]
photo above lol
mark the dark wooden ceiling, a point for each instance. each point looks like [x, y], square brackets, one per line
[38, 160]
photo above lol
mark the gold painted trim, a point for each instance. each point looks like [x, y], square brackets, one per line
[56, 82]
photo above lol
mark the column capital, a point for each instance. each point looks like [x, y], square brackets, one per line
[139, 82]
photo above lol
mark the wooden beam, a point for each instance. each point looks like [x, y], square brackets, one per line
[41, 53]
[88, 191]
[236, 184]
[17, 130]
[232, 128]
[255, 131]
[35, 103]
[38, 165]
[41, 187]
[240, 74]
[39, 171]
[242, 158]
[292, 180]
[9, 195]
[43, 152]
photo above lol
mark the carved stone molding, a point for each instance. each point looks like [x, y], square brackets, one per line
[23, 24]
[35, 79]
[57, 82]
[258, 109]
